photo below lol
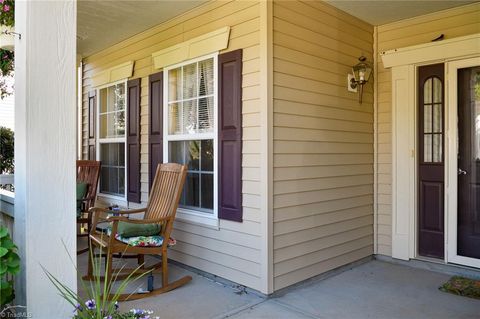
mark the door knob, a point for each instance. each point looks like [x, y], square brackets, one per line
[462, 172]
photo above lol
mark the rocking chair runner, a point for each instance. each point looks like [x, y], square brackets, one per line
[88, 172]
[161, 209]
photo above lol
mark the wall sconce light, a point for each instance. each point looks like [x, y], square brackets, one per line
[361, 74]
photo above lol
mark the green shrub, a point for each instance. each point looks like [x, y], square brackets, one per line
[9, 266]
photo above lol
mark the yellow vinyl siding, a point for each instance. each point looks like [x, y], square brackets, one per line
[322, 142]
[233, 251]
[452, 23]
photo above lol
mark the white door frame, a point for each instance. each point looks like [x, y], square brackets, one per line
[403, 62]
[451, 158]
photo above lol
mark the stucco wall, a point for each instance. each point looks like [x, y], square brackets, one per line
[323, 141]
[452, 23]
[233, 251]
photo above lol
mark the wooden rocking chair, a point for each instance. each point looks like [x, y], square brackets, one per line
[161, 209]
[88, 172]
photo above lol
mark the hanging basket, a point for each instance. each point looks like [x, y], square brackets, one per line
[7, 39]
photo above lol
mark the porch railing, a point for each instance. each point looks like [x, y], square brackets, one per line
[7, 200]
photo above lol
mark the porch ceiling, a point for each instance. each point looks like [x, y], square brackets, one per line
[378, 12]
[102, 23]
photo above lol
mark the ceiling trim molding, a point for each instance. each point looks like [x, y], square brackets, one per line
[207, 43]
[454, 48]
[113, 74]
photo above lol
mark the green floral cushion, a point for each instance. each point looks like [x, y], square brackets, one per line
[81, 192]
[142, 241]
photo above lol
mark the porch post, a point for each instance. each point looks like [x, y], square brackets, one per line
[45, 107]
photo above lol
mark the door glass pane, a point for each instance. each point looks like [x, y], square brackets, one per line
[427, 91]
[437, 118]
[427, 148]
[437, 90]
[427, 118]
[437, 148]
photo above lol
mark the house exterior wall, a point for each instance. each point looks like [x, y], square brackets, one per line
[232, 251]
[322, 141]
[452, 23]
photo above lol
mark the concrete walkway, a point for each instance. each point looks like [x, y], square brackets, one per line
[375, 289]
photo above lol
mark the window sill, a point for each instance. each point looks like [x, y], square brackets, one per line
[187, 217]
[107, 200]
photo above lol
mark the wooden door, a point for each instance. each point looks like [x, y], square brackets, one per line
[468, 232]
[431, 161]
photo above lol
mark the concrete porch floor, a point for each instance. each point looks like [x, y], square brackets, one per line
[375, 289]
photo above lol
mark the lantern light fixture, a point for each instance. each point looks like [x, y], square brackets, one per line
[361, 74]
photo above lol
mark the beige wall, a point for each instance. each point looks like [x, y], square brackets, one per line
[323, 142]
[452, 23]
[233, 251]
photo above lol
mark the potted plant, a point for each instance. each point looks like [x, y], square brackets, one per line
[7, 23]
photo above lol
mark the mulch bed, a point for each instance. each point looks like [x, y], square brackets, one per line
[462, 286]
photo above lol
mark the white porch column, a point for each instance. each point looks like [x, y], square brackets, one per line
[45, 107]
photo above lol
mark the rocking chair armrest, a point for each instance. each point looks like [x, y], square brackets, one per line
[131, 211]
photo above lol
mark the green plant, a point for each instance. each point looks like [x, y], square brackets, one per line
[98, 304]
[7, 13]
[9, 266]
[6, 150]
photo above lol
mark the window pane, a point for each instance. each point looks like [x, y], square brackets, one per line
[112, 178]
[427, 148]
[205, 114]
[192, 190]
[174, 84]
[427, 118]
[103, 100]
[427, 91]
[118, 124]
[437, 148]
[103, 125]
[205, 70]
[190, 81]
[176, 152]
[192, 155]
[174, 124]
[437, 91]
[207, 191]
[207, 155]
[189, 117]
[437, 118]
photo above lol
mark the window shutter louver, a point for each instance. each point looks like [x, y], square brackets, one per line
[133, 141]
[155, 124]
[92, 111]
[230, 135]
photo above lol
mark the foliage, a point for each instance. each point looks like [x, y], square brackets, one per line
[97, 305]
[7, 18]
[6, 150]
[9, 266]
[462, 286]
[7, 15]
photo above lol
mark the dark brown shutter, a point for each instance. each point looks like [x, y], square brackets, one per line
[230, 135]
[92, 111]
[133, 141]
[155, 124]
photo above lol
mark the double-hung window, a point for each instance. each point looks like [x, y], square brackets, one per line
[190, 106]
[111, 141]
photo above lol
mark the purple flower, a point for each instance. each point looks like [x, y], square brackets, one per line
[1, 1]
[90, 304]
[109, 317]
[6, 8]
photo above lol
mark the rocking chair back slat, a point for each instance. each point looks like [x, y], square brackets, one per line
[166, 191]
[88, 172]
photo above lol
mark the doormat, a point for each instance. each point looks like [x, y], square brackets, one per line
[462, 286]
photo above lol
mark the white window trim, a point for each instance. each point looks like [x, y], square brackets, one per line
[183, 214]
[113, 198]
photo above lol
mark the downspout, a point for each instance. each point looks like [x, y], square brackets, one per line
[266, 138]
[375, 140]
